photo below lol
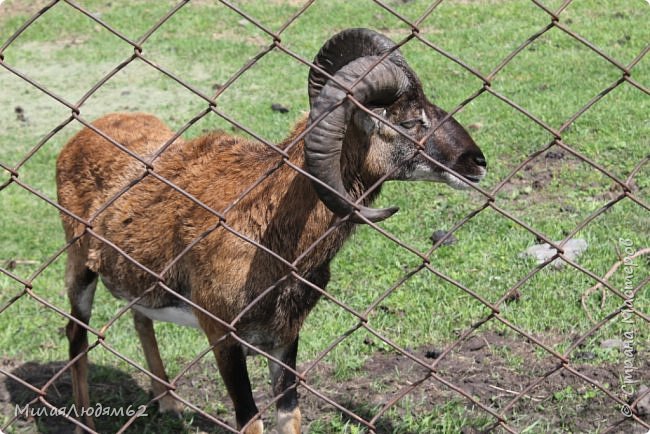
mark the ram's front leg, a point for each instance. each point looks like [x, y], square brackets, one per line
[284, 382]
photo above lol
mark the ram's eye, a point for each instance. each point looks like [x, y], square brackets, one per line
[411, 123]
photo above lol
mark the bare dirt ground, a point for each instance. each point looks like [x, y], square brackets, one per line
[483, 367]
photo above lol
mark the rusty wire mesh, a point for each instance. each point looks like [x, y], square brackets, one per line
[501, 417]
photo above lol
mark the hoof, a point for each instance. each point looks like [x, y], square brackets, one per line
[169, 405]
[256, 427]
[289, 421]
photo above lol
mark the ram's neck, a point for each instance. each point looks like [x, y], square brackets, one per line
[289, 216]
[356, 178]
[264, 200]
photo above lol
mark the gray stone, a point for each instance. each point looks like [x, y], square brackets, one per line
[437, 235]
[643, 406]
[542, 252]
[611, 343]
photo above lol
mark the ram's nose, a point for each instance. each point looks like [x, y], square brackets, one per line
[473, 165]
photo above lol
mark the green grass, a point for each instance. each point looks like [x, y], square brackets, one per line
[205, 44]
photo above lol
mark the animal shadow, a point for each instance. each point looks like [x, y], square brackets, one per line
[110, 389]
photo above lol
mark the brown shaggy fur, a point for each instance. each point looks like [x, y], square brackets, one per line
[153, 223]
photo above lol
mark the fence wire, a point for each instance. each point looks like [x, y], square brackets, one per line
[502, 418]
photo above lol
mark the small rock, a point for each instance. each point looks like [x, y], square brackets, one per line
[643, 406]
[541, 252]
[279, 108]
[243, 22]
[475, 344]
[611, 343]
[432, 354]
[437, 236]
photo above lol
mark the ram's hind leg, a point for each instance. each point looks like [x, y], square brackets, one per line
[284, 382]
[147, 335]
[80, 283]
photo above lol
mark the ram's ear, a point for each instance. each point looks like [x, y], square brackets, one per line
[370, 124]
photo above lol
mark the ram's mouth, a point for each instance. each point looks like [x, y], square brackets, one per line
[459, 183]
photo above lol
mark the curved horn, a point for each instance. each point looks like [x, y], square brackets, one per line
[345, 47]
[380, 86]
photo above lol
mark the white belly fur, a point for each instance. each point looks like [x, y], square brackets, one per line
[177, 315]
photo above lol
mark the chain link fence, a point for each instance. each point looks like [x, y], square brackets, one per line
[501, 418]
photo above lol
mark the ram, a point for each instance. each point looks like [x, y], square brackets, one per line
[259, 270]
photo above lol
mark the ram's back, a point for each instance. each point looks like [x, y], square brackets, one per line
[153, 222]
[90, 169]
